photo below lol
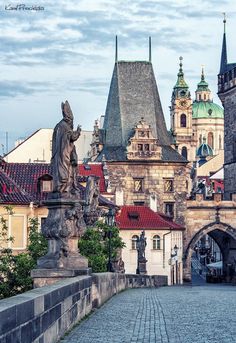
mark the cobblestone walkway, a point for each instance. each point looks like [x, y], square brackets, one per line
[201, 314]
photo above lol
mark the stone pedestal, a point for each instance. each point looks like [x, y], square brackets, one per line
[45, 277]
[62, 228]
[142, 267]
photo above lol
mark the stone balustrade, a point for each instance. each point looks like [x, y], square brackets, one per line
[43, 315]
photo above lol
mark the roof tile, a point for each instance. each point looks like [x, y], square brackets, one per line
[142, 217]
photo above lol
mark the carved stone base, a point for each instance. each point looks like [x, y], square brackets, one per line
[142, 268]
[44, 277]
[55, 260]
[62, 228]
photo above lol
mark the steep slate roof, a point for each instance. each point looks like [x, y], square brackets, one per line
[133, 94]
[142, 217]
[224, 65]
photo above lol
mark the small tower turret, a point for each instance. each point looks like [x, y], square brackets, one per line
[181, 115]
[203, 92]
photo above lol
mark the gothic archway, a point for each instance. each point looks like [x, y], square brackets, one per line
[225, 237]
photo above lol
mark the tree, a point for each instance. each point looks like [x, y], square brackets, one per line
[37, 245]
[15, 269]
[94, 244]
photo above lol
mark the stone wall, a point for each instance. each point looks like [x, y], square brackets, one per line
[228, 99]
[122, 174]
[216, 218]
[44, 314]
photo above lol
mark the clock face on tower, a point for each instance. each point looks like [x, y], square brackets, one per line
[182, 103]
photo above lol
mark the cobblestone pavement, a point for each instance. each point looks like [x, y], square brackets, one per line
[185, 314]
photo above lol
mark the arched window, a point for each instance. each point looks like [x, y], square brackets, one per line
[210, 139]
[220, 142]
[184, 152]
[156, 242]
[183, 121]
[134, 242]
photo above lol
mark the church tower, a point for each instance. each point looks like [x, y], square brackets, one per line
[227, 95]
[181, 116]
[141, 163]
[207, 118]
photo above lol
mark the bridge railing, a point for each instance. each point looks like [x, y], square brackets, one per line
[45, 314]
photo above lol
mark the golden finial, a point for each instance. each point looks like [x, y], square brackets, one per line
[180, 62]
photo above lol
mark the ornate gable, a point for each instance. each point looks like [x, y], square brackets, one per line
[142, 145]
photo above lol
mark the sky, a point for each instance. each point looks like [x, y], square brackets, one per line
[52, 52]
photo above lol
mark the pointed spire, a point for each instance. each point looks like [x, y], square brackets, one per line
[116, 51]
[202, 75]
[150, 49]
[203, 92]
[180, 81]
[202, 85]
[223, 62]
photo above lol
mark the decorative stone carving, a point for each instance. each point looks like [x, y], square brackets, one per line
[117, 263]
[96, 145]
[91, 213]
[142, 145]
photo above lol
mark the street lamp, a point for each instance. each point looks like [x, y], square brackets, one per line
[174, 256]
[110, 220]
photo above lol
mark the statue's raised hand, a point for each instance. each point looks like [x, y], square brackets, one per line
[78, 129]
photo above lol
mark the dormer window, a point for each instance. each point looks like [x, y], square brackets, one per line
[46, 186]
[142, 145]
[45, 183]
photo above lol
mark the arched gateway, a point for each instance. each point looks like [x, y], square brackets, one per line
[216, 219]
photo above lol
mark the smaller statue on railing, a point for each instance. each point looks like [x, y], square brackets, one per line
[141, 246]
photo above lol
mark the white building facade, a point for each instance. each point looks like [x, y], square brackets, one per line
[164, 242]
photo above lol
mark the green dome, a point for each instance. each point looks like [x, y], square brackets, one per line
[204, 150]
[206, 109]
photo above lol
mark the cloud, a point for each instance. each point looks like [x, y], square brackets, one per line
[68, 49]
[15, 88]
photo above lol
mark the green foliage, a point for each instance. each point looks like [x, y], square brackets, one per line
[37, 246]
[94, 244]
[15, 269]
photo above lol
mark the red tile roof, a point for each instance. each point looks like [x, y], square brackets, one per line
[93, 169]
[142, 217]
[11, 193]
[25, 177]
